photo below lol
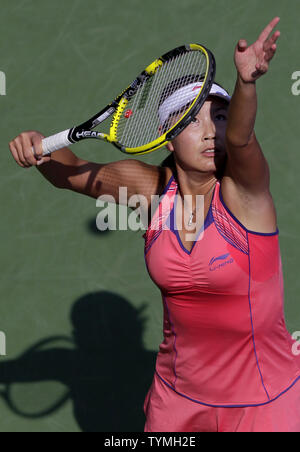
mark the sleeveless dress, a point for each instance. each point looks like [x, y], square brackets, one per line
[225, 338]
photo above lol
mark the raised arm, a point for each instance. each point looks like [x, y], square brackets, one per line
[247, 166]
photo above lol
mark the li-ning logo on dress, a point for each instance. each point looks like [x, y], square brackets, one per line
[213, 261]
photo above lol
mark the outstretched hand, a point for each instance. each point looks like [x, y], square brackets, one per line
[252, 62]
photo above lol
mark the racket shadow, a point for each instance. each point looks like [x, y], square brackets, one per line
[103, 369]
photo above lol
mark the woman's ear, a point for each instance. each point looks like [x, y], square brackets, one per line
[170, 146]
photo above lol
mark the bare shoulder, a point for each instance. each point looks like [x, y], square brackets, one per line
[138, 177]
[255, 211]
[151, 179]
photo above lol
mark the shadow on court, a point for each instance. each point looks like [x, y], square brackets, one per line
[103, 369]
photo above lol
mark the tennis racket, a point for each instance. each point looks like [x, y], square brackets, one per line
[135, 125]
[31, 393]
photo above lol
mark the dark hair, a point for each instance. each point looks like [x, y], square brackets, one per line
[169, 162]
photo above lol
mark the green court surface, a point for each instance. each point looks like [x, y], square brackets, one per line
[81, 316]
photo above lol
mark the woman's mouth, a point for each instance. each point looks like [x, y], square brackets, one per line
[210, 152]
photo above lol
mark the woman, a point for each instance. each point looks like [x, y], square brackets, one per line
[226, 362]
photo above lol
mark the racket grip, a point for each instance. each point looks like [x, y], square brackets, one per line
[56, 142]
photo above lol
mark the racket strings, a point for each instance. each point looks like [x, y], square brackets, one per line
[138, 129]
[165, 74]
[177, 65]
[175, 106]
[141, 122]
[152, 126]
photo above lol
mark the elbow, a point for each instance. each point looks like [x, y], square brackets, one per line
[60, 186]
[236, 141]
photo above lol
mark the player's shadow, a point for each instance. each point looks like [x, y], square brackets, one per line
[106, 372]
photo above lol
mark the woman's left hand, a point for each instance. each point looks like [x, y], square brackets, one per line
[252, 62]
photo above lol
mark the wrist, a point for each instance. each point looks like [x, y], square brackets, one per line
[243, 82]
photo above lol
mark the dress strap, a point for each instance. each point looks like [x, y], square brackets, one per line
[227, 225]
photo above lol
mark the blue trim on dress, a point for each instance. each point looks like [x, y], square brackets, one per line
[239, 223]
[207, 222]
[244, 405]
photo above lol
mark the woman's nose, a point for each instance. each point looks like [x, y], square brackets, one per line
[209, 136]
[209, 129]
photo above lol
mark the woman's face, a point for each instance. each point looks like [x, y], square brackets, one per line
[205, 133]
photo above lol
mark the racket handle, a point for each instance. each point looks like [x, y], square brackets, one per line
[56, 142]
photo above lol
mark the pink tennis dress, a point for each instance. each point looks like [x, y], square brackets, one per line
[226, 362]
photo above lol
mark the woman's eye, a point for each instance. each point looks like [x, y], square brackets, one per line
[195, 120]
[221, 117]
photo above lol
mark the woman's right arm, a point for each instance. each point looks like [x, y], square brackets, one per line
[65, 170]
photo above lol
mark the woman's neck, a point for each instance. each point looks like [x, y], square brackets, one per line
[194, 183]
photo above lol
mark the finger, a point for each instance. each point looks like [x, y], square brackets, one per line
[37, 147]
[19, 148]
[275, 36]
[261, 68]
[27, 150]
[270, 42]
[43, 160]
[258, 73]
[266, 32]
[242, 45]
[258, 68]
[38, 150]
[15, 154]
[270, 54]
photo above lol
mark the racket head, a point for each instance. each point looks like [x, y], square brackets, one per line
[136, 127]
[34, 393]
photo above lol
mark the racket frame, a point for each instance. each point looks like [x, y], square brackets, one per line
[118, 106]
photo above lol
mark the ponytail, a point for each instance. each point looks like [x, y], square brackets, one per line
[169, 161]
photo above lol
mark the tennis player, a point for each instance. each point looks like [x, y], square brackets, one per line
[226, 362]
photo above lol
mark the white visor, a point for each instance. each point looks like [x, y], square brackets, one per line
[184, 96]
